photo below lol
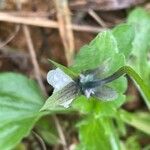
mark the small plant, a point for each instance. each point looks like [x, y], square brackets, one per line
[90, 84]
[94, 86]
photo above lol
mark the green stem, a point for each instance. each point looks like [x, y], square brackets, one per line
[145, 91]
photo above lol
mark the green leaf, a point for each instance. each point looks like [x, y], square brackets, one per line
[66, 70]
[97, 107]
[91, 56]
[124, 35]
[132, 143]
[139, 58]
[120, 125]
[20, 101]
[97, 133]
[141, 121]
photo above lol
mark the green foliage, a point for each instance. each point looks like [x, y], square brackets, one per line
[20, 101]
[97, 133]
[103, 47]
[132, 143]
[106, 46]
[94, 134]
[95, 52]
[141, 121]
[139, 58]
[124, 36]
[69, 72]
[46, 129]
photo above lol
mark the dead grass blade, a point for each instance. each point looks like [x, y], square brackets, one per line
[64, 22]
[43, 22]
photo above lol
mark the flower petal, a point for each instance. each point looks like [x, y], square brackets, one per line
[63, 97]
[58, 79]
[105, 93]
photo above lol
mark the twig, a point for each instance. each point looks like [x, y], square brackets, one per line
[11, 37]
[37, 21]
[64, 22]
[40, 140]
[32, 14]
[93, 14]
[61, 134]
[33, 58]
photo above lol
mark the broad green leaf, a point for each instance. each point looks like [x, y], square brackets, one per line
[141, 121]
[124, 35]
[20, 102]
[97, 134]
[104, 46]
